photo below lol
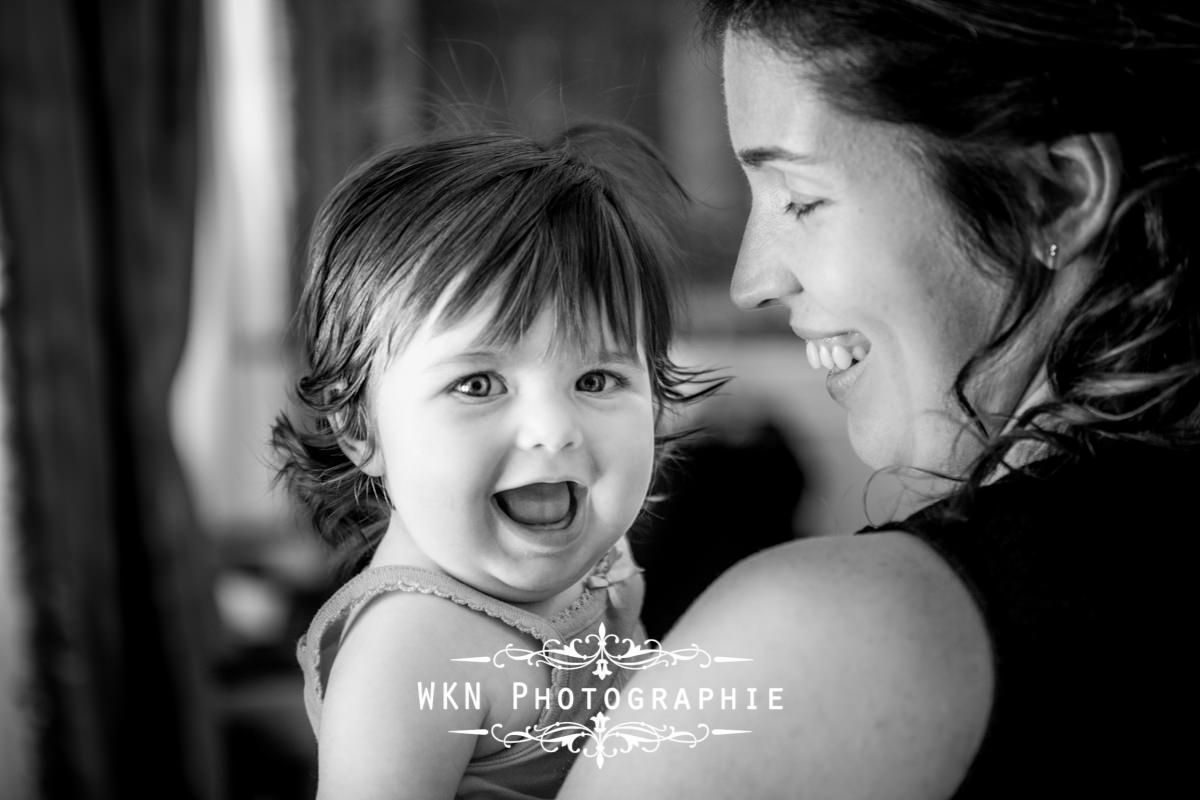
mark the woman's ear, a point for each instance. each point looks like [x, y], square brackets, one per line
[1083, 173]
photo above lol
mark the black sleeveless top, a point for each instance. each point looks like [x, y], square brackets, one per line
[1080, 566]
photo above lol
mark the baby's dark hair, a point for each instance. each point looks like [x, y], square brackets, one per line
[581, 224]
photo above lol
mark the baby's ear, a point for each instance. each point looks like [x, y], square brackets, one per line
[357, 447]
[366, 457]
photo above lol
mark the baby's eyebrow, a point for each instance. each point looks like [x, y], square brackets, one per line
[468, 357]
[629, 358]
[484, 355]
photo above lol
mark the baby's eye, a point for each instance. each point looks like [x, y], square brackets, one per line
[480, 384]
[598, 381]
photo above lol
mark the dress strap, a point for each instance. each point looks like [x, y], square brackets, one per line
[616, 566]
[375, 581]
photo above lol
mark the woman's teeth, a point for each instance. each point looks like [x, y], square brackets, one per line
[824, 354]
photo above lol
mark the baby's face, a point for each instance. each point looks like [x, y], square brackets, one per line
[511, 468]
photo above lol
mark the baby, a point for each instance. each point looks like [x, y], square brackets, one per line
[486, 321]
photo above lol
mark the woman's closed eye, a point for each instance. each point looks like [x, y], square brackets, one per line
[600, 381]
[478, 385]
[799, 210]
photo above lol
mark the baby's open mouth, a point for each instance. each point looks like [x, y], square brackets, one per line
[547, 506]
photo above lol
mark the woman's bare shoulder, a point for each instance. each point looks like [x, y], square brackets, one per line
[871, 671]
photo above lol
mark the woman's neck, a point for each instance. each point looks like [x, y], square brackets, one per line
[1024, 451]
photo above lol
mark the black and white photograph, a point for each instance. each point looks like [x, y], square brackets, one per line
[528, 399]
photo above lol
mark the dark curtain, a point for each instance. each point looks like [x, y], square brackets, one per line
[98, 126]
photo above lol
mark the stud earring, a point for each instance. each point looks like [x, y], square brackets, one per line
[1052, 256]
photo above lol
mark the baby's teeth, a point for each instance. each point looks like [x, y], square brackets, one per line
[841, 357]
[826, 358]
[810, 350]
[859, 352]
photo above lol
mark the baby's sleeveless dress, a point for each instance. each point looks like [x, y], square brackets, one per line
[612, 596]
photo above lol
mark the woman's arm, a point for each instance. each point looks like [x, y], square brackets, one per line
[883, 666]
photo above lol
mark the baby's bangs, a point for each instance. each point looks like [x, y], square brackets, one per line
[577, 258]
[598, 275]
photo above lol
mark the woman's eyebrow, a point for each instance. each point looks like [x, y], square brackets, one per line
[757, 156]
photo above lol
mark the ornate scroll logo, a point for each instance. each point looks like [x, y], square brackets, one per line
[575, 654]
[602, 651]
[605, 742]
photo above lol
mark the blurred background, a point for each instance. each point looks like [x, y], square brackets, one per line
[159, 167]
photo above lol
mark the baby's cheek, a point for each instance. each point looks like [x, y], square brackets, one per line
[638, 474]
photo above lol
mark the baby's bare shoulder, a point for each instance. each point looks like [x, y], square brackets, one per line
[398, 689]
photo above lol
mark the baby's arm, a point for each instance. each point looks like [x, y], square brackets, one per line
[375, 739]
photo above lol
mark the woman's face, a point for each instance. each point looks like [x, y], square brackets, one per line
[848, 232]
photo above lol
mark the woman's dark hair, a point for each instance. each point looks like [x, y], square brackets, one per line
[579, 224]
[979, 81]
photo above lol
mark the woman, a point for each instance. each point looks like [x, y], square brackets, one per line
[981, 216]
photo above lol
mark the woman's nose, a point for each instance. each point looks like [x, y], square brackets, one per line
[550, 423]
[762, 276]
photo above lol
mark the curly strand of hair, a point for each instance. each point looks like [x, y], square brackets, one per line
[320, 476]
[1125, 366]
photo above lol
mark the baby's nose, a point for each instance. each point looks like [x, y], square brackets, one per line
[549, 423]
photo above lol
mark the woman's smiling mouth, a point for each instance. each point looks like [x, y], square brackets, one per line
[541, 506]
[840, 354]
[836, 353]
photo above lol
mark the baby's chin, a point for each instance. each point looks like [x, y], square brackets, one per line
[524, 590]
